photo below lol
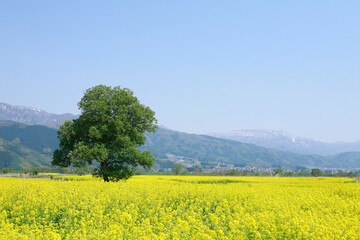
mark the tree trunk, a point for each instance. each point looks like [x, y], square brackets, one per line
[106, 178]
[103, 171]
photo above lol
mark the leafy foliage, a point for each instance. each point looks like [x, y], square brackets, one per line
[5, 170]
[177, 168]
[109, 131]
[316, 172]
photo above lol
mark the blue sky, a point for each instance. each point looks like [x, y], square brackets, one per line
[202, 66]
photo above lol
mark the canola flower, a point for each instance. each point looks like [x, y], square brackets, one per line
[169, 207]
[49, 174]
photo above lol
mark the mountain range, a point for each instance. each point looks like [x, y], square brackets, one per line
[23, 145]
[171, 145]
[284, 141]
[33, 116]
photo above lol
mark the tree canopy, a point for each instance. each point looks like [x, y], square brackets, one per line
[316, 172]
[109, 131]
[177, 168]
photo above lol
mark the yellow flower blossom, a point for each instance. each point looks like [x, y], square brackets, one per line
[180, 207]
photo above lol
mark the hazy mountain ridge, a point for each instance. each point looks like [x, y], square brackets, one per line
[39, 138]
[32, 116]
[15, 155]
[284, 141]
[23, 145]
[210, 151]
[279, 140]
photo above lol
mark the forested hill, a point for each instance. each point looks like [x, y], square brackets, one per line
[39, 138]
[24, 145]
[172, 145]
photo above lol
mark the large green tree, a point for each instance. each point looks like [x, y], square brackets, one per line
[109, 131]
[177, 168]
[316, 172]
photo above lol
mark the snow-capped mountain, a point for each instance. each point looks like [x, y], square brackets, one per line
[285, 141]
[32, 116]
[279, 140]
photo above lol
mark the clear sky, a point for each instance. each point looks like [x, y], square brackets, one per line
[202, 66]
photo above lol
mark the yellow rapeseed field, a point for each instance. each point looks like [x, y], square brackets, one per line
[169, 207]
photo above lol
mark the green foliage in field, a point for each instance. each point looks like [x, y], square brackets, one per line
[5, 170]
[316, 172]
[109, 131]
[177, 168]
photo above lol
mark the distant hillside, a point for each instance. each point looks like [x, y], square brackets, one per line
[279, 140]
[39, 138]
[168, 145]
[15, 155]
[284, 141]
[24, 145]
[346, 160]
[32, 116]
